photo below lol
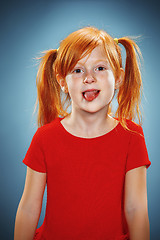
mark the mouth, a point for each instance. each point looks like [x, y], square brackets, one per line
[90, 94]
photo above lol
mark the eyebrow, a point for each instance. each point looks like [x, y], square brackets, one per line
[101, 60]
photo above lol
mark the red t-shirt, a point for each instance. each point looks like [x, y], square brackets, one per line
[85, 180]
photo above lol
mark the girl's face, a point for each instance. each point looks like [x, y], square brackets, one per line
[91, 72]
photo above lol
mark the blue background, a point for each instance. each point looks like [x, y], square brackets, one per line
[27, 28]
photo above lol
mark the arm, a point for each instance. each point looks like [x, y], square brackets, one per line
[136, 206]
[29, 208]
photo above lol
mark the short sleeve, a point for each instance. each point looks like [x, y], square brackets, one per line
[34, 157]
[137, 153]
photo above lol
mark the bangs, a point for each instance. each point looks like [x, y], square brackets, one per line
[81, 43]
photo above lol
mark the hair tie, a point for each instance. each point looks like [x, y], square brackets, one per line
[116, 40]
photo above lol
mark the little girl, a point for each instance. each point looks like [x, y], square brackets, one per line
[94, 165]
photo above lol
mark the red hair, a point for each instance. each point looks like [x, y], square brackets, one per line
[76, 46]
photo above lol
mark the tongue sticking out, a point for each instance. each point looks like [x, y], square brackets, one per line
[90, 95]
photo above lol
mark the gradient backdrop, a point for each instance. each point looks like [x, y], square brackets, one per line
[29, 27]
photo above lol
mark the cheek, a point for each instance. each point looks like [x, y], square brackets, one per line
[73, 85]
[69, 82]
[109, 80]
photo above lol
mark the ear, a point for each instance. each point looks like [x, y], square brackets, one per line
[119, 79]
[62, 83]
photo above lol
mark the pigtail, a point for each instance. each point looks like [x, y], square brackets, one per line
[48, 89]
[129, 94]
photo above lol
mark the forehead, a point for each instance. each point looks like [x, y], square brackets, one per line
[98, 53]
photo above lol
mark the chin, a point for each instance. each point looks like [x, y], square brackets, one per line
[92, 109]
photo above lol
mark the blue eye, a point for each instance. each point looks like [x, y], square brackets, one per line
[100, 68]
[78, 70]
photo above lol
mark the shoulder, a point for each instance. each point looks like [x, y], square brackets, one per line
[48, 129]
[134, 128]
[132, 131]
[135, 135]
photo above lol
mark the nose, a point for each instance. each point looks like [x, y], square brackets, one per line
[89, 78]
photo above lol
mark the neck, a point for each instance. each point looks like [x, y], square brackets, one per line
[89, 123]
